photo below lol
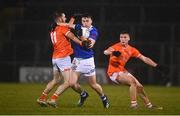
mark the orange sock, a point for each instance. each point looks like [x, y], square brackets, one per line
[43, 96]
[54, 96]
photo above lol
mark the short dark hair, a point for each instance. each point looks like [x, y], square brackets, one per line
[124, 32]
[87, 15]
[57, 14]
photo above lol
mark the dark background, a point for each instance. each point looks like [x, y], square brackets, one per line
[154, 24]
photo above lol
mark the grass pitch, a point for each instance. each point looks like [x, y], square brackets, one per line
[21, 99]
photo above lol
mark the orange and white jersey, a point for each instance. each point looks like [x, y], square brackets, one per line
[61, 44]
[116, 64]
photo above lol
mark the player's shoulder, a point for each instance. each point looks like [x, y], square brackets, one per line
[115, 44]
[78, 25]
[132, 47]
[62, 27]
[94, 28]
[93, 31]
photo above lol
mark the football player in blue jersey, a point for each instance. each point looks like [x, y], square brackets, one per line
[83, 62]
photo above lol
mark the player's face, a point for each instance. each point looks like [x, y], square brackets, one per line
[86, 22]
[124, 39]
[61, 19]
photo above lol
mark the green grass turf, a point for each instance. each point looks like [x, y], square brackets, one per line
[21, 99]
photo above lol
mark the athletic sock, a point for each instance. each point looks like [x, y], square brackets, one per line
[43, 96]
[133, 103]
[54, 97]
[83, 94]
[103, 97]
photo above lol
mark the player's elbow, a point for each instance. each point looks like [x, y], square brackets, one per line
[106, 52]
[143, 58]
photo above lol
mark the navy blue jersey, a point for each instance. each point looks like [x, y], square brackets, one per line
[82, 52]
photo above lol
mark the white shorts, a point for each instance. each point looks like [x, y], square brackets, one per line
[62, 64]
[84, 66]
[114, 76]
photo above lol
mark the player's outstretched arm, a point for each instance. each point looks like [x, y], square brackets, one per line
[111, 51]
[74, 38]
[108, 51]
[160, 68]
[71, 21]
[148, 61]
[70, 24]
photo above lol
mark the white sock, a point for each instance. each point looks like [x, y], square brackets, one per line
[134, 103]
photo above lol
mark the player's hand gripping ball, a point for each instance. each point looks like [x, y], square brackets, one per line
[86, 43]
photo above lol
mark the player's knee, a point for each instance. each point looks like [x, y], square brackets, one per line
[56, 81]
[133, 82]
[140, 87]
[75, 86]
[72, 84]
[67, 84]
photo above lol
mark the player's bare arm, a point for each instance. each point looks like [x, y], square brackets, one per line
[74, 38]
[108, 51]
[83, 38]
[63, 24]
[148, 61]
[71, 21]
[70, 24]
[71, 36]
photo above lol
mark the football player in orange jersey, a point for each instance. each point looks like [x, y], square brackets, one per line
[120, 53]
[61, 60]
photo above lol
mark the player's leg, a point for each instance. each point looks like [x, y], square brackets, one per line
[56, 79]
[61, 88]
[77, 88]
[144, 97]
[77, 67]
[125, 78]
[64, 67]
[142, 93]
[73, 81]
[94, 85]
